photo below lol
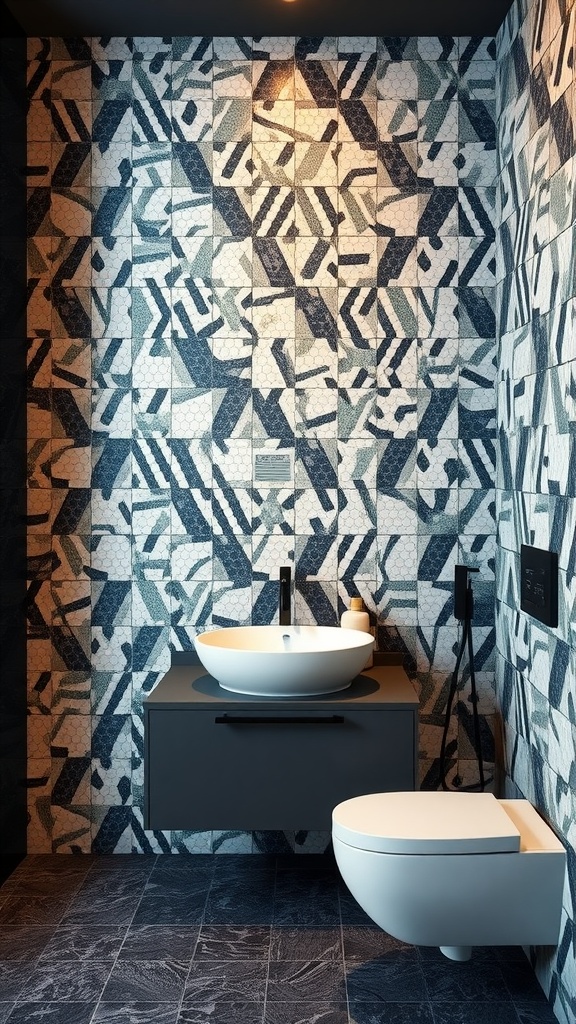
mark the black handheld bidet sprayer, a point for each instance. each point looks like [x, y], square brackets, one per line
[463, 611]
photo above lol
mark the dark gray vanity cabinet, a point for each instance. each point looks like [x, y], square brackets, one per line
[217, 760]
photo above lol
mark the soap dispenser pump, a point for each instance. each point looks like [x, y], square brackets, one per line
[357, 618]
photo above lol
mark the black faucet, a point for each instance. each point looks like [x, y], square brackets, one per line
[284, 616]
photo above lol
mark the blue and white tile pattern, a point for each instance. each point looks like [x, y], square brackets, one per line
[243, 245]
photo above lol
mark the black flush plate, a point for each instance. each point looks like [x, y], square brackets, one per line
[539, 584]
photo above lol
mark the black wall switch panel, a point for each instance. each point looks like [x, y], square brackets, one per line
[539, 584]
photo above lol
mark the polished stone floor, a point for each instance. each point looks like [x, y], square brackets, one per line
[229, 939]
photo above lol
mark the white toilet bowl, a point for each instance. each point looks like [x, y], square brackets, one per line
[453, 870]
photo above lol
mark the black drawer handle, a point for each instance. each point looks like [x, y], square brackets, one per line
[271, 720]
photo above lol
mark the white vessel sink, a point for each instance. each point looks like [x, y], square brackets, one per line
[284, 661]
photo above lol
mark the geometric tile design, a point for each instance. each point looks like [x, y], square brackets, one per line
[236, 246]
[535, 483]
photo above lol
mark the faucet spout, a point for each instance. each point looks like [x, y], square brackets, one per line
[284, 610]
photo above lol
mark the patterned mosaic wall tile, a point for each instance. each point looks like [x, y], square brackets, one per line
[535, 481]
[245, 246]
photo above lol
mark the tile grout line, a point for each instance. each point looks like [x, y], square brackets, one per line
[99, 1000]
[56, 925]
[270, 927]
[342, 954]
[497, 967]
[201, 922]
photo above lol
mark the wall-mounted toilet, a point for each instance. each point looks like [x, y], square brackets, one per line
[453, 870]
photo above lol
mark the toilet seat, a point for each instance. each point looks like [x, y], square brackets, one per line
[428, 822]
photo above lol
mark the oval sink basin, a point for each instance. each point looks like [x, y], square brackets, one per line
[284, 661]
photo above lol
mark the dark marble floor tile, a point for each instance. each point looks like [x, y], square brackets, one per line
[14, 975]
[40, 911]
[362, 1012]
[242, 865]
[44, 883]
[18, 942]
[99, 885]
[17, 872]
[217, 1011]
[305, 884]
[159, 942]
[180, 865]
[351, 913]
[320, 910]
[108, 909]
[67, 982]
[305, 981]
[316, 891]
[253, 885]
[141, 862]
[146, 980]
[166, 909]
[51, 1013]
[136, 1013]
[306, 1013]
[521, 982]
[196, 884]
[226, 980]
[461, 982]
[179, 884]
[64, 862]
[474, 1013]
[233, 942]
[361, 944]
[223, 931]
[393, 980]
[229, 903]
[83, 942]
[305, 944]
[535, 1013]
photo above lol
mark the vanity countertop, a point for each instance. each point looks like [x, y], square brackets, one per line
[190, 686]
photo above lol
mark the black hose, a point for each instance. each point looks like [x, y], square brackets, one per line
[475, 717]
[451, 695]
[466, 641]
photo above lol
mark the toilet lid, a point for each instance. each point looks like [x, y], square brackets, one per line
[425, 822]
